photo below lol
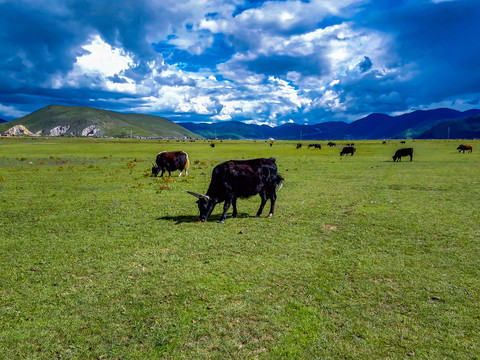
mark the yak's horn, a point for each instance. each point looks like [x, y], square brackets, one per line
[206, 197]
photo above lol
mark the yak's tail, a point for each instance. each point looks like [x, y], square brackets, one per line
[187, 164]
[279, 182]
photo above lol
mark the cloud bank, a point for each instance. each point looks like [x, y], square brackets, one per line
[268, 62]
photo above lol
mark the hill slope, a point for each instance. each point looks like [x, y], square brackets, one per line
[455, 129]
[80, 120]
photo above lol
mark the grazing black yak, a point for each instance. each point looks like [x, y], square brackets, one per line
[240, 179]
[403, 152]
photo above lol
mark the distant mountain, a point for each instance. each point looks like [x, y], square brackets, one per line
[406, 126]
[229, 130]
[413, 124]
[2, 121]
[466, 128]
[373, 126]
[55, 120]
[238, 130]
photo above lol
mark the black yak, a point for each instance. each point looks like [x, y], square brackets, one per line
[347, 150]
[403, 152]
[240, 179]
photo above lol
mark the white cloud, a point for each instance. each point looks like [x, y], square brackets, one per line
[222, 117]
[260, 122]
[10, 111]
[102, 59]
[96, 69]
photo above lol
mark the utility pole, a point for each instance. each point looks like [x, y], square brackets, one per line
[448, 136]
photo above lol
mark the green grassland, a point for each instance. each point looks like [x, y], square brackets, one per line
[363, 259]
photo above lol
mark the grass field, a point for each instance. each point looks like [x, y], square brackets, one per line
[363, 259]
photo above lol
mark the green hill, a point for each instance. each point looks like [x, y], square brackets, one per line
[87, 121]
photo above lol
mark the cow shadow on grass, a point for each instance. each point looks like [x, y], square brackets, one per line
[180, 219]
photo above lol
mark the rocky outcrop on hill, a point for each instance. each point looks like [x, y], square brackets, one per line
[59, 130]
[91, 130]
[18, 130]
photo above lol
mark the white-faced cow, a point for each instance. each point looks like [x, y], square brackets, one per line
[403, 152]
[240, 179]
[347, 150]
[171, 161]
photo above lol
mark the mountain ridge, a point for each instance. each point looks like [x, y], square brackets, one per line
[373, 126]
[59, 120]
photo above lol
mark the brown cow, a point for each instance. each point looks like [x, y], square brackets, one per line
[462, 148]
[171, 161]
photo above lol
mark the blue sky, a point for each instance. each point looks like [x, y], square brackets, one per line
[264, 62]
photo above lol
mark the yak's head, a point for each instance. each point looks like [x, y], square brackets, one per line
[205, 204]
[155, 170]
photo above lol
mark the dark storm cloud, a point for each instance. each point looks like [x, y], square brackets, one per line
[219, 51]
[439, 41]
[174, 80]
[282, 64]
[36, 45]
[31, 99]
[365, 65]
[117, 79]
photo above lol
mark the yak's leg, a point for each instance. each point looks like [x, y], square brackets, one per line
[234, 203]
[263, 195]
[226, 206]
[180, 173]
[273, 198]
[411, 157]
[163, 171]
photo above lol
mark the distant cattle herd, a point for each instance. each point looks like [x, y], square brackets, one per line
[244, 178]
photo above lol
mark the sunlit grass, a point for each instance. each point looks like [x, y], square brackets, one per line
[364, 258]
